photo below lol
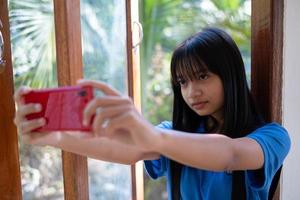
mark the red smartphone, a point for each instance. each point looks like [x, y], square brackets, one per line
[62, 107]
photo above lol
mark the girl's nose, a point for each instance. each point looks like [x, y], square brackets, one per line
[194, 90]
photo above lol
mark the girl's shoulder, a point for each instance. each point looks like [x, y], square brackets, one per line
[272, 133]
[272, 127]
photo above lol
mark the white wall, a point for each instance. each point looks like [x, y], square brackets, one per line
[291, 99]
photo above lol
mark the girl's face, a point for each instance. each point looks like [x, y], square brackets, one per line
[204, 95]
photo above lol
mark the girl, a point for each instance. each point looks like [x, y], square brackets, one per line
[217, 145]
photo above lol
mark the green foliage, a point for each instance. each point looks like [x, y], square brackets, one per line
[32, 29]
[228, 5]
[155, 189]
[33, 42]
[156, 16]
[159, 101]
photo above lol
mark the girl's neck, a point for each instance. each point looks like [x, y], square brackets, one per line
[214, 125]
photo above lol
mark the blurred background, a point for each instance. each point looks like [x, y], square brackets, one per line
[165, 23]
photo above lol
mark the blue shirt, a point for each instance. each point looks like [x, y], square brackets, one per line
[198, 184]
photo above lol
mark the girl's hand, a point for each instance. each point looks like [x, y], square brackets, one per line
[115, 116]
[26, 127]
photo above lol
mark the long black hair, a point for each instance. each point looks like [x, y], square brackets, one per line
[213, 50]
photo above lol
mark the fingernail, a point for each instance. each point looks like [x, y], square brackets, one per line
[42, 121]
[85, 123]
[38, 107]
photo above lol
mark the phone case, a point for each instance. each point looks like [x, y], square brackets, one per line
[62, 107]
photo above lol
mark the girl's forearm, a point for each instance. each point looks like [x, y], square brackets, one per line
[100, 148]
[211, 152]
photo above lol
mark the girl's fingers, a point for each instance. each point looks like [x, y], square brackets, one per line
[24, 110]
[18, 96]
[107, 114]
[29, 126]
[103, 102]
[106, 89]
[29, 109]
[21, 108]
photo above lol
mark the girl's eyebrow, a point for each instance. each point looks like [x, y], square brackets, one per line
[204, 71]
[191, 75]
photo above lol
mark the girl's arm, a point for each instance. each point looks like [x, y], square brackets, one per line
[206, 151]
[210, 151]
[102, 148]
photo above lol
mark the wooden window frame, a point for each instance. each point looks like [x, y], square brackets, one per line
[69, 70]
[134, 91]
[10, 176]
[266, 86]
[267, 59]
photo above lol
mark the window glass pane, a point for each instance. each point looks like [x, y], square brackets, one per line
[166, 24]
[103, 25]
[34, 65]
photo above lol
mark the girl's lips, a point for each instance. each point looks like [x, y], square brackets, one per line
[199, 105]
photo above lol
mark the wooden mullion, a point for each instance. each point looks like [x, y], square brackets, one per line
[68, 41]
[130, 82]
[133, 77]
[266, 68]
[10, 178]
[266, 59]
[129, 47]
[69, 70]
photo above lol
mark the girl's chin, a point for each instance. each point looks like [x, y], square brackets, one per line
[202, 113]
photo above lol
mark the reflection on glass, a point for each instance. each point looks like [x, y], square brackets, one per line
[33, 50]
[103, 25]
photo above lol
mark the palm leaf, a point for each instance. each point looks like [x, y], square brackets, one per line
[32, 30]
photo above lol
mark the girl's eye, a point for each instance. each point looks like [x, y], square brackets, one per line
[203, 76]
[181, 82]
